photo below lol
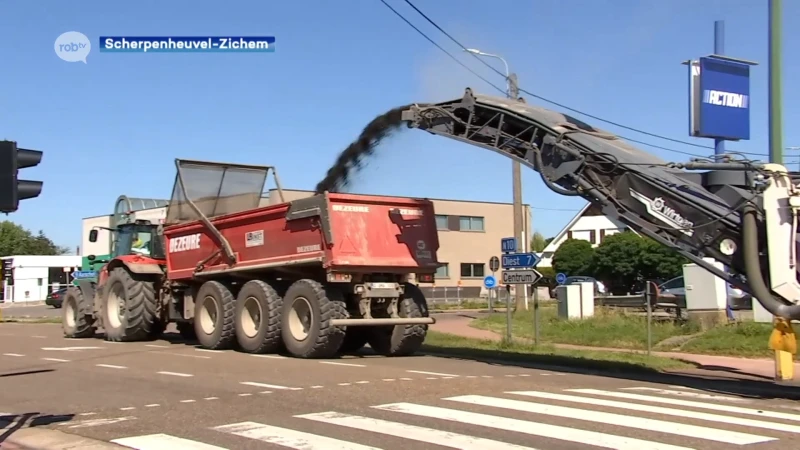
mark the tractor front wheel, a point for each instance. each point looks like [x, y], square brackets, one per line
[128, 307]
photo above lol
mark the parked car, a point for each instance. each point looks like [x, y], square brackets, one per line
[599, 288]
[737, 299]
[55, 298]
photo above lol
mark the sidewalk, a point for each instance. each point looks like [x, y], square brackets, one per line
[756, 368]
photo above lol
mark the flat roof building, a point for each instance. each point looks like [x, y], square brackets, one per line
[469, 235]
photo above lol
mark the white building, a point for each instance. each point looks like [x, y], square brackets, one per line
[29, 278]
[590, 224]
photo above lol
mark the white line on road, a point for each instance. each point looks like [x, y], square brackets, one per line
[55, 359]
[662, 410]
[176, 374]
[270, 356]
[127, 408]
[187, 356]
[96, 422]
[407, 379]
[269, 386]
[341, 364]
[286, 437]
[156, 346]
[110, 366]
[432, 373]
[152, 405]
[265, 392]
[211, 398]
[39, 337]
[344, 384]
[388, 379]
[245, 395]
[421, 434]
[13, 354]
[188, 401]
[207, 350]
[577, 435]
[641, 423]
[690, 404]
[87, 414]
[690, 394]
[69, 349]
[362, 382]
[163, 441]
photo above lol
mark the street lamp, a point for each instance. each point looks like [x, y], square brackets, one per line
[516, 176]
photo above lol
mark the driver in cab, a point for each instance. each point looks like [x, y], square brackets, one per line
[140, 246]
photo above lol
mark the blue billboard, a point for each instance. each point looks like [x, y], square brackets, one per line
[722, 100]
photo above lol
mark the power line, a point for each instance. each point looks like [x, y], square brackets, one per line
[552, 101]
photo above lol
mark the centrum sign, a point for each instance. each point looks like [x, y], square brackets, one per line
[721, 99]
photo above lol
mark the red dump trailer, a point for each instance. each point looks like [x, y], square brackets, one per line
[317, 276]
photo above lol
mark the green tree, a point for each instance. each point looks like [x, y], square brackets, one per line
[16, 240]
[538, 242]
[573, 257]
[618, 260]
[548, 241]
[659, 262]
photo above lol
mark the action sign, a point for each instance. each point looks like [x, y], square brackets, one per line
[508, 245]
[489, 282]
[515, 260]
[531, 276]
[722, 101]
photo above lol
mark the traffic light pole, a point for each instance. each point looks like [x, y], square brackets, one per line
[12, 189]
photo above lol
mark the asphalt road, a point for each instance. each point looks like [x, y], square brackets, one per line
[15, 310]
[169, 395]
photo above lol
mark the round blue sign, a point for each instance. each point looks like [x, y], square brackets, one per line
[489, 282]
[561, 278]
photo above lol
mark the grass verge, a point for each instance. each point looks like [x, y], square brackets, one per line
[452, 345]
[607, 328]
[743, 339]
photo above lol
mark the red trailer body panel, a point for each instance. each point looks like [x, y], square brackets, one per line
[348, 233]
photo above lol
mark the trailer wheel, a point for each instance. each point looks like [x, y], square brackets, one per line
[258, 318]
[355, 338]
[402, 340]
[128, 307]
[76, 317]
[308, 308]
[213, 316]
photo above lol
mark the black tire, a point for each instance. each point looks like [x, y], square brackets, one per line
[355, 338]
[267, 336]
[223, 335]
[76, 318]
[138, 319]
[186, 330]
[324, 304]
[402, 340]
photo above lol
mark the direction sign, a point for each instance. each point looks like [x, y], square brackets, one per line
[494, 263]
[489, 282]
[508, 245]
[561, 278]
[84, 274]
[529, 276]
[514, 260]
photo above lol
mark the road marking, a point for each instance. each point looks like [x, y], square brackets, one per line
[110, 366]
[511, 376]
[431, 373]
[245, 395]
[545, 374]
[127, 408]
[186, 356]
[317, 387]
[344, 384]
[407, 379]
[431, 378]
[524, 375]
[333, 363]
[13, 354]
[697, 395]
[691, 404]
[163, 441]
[176, 374]
[156, 346]
[270, 356]
[188, 401]
[270, 386]
[661, 410]
[641, 423]
[56, 359]
[97, 422]
[265, 392]
[417, 433]
[286, 437]
[472, 376]
[486, 376]
[152, 405]
[362, 382]
[211, 398]
[69, 349]
[532, 428]
[87, 414]
[207, 350]
[39, 337]
[388, 379]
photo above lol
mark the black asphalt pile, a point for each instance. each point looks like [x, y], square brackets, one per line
[351, 160]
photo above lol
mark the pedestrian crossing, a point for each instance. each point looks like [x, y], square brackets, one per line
[510, 420]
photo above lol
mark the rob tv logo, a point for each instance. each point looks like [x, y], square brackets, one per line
[73, 46]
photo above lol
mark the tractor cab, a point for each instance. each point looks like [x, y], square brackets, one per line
[140, 237]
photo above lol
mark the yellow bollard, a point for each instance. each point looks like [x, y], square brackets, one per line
[784, 343]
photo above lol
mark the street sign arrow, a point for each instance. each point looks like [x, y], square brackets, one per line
[514, 260]
[530, 276]
[84, 274]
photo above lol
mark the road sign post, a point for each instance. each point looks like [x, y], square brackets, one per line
[508, 313]
[535, 315]
[490, 283]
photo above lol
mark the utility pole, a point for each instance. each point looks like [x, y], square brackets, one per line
[523, 241]
[719, 49]
[775, 81]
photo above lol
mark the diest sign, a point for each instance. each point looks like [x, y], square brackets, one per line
[184, 243]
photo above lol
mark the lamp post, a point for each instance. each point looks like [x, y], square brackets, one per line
[516, 176]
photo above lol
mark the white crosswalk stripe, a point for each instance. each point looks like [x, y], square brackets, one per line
[522, 417]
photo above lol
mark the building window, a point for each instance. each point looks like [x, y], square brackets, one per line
[472, 270]
[443, 271]
[468, 223]
[441, 222]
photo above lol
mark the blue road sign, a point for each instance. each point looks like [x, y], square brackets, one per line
[514, 260]
[490, 282]
[508, 245]
[723, 104]
[561, 278]
[81, 274]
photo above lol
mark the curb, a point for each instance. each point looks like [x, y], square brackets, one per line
[46, 439]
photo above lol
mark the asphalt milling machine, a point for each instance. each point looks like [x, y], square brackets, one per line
[314, 277]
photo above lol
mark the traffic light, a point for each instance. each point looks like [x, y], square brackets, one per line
[12, 189]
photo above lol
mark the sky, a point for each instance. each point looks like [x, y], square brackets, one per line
[115, 125]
